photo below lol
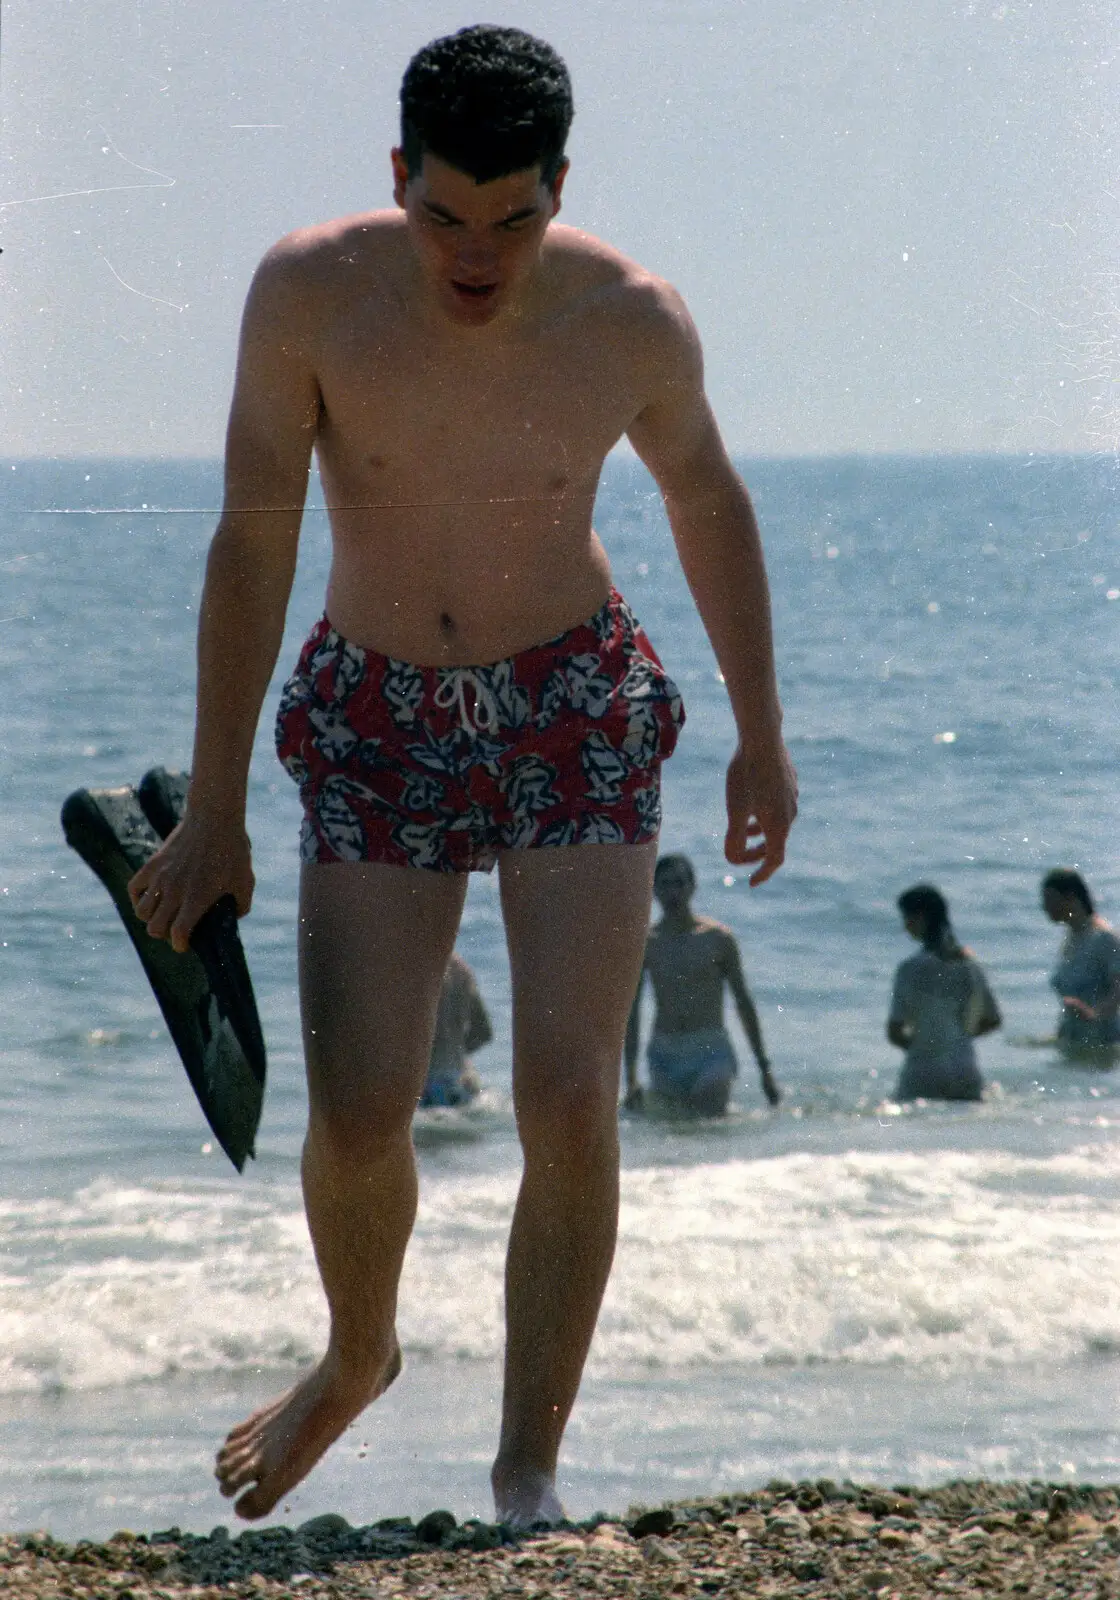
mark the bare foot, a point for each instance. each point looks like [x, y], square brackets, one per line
[277, 1446]
[524, 1498]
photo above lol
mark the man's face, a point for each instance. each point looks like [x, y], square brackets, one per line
[476, 242]
[1055, 905]
[673, 886]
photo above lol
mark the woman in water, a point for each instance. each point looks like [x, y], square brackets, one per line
[941, 1002]
[1087, 977]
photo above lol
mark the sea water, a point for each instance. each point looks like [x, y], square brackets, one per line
[842, 1287]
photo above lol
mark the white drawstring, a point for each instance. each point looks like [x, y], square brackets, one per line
[452, 692]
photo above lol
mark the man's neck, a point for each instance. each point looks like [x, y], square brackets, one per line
[683, 921]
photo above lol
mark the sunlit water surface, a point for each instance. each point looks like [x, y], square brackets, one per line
[838, 1288]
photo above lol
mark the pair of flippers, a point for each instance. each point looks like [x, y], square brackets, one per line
[206, 994]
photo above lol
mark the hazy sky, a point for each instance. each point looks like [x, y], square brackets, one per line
[896, 223]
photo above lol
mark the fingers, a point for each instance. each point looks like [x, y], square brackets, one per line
[771, 851]
[168, 917]
[761, 807]
[139, 882]
[773, 856]
[164, 913]
[150, 902]
[185, 877]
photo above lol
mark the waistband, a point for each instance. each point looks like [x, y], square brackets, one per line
[598, 623]
[478, 694]
[689, 1044]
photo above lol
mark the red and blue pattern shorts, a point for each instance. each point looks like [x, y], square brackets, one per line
[442, 767]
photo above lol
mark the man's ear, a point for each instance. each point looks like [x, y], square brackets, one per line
[400, 174]
[558, 184]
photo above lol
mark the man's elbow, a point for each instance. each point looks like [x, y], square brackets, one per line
[703, 486]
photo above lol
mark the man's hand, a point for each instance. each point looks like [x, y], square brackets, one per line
[198, 864]
[761, 805]
[769, 1088]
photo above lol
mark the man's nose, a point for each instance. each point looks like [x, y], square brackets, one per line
[476, 255]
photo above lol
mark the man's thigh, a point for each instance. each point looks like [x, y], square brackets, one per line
[374, 943]
[576, 921]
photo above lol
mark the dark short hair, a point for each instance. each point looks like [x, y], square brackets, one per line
[1066, 882]
[489, 101]
[924, 901]
[681, 863]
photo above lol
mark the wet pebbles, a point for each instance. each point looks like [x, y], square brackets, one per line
[833, 1541]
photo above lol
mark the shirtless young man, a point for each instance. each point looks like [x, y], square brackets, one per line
[690, 960]
[462, 368]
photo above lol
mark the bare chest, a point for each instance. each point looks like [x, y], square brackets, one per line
[539, 415]
[686, 959]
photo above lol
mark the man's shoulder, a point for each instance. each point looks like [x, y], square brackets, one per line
[593, 273]
[320, 252]
[718, 932]
[1105, 942]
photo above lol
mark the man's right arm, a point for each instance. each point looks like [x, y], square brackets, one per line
[249, 574]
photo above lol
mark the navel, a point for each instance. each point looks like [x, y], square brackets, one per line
[446, 623]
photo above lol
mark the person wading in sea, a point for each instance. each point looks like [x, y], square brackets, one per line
[476, 693]
[462, 1026]
[1087, 977]
[691, 960]
[940, 1002]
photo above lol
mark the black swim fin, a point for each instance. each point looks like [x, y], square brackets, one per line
[216, 941]
[205, 995]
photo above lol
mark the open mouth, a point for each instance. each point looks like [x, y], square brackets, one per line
[474, 291]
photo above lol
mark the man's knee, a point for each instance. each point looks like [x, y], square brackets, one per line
[568, 1109]
[348, 1131]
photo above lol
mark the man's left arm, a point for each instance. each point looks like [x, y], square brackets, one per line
[720, 550]
[732, 967]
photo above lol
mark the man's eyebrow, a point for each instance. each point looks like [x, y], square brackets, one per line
[441, 211]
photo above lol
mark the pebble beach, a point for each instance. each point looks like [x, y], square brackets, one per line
[834, 1541]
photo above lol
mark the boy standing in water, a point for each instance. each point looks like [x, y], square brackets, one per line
[690, 960]
[477, 692]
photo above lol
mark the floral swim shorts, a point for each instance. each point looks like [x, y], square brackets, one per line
[442, 767]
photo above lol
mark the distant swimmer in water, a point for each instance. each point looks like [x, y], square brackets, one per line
[689, 960]
[1087, 977]
[462, 1025]
[941, 1002]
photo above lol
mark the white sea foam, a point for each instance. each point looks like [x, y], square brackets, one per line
[945, 1260]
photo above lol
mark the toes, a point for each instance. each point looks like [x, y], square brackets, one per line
[230, 1457]
[234, 1476]
[258, 1421]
